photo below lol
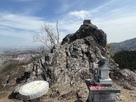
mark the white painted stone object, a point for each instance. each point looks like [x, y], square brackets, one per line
[33, 90]
[104, 74]
[101, 72]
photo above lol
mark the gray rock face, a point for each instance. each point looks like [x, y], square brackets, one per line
[87, 31]
[72, 61]
[125, 78]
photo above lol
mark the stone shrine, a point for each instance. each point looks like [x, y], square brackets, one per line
[100, 87]
[101, 73]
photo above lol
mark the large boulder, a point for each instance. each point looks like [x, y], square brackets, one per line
[125, 78]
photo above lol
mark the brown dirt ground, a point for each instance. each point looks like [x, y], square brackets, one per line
[125, 94]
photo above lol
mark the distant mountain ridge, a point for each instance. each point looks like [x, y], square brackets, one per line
[129, 45]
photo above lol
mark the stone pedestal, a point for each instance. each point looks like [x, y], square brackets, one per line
[105, 81]
[99, 93]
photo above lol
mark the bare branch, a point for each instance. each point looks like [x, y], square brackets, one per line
[57, 32]
[49, 38]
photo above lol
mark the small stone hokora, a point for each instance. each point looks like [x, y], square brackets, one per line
[96, 66]
[101, 72]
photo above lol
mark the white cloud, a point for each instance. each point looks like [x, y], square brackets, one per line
[70, 26]
[18, 34]
[103, 6]
[20, 24]
[118, 29]
[20, 21]
[82, 14]
[72, 21]
[116, 22]
[20, 27]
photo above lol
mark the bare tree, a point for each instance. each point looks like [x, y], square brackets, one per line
[58, 35]
[50, 37]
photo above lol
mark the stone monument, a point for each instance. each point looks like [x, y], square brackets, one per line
[33, 90]
[100, 87]
[101, 73]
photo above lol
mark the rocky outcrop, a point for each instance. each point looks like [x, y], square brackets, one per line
[68, 65]
[125, 78]
[72, 61]
[87, 30]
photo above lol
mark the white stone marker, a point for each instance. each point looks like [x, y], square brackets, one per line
[33, 90]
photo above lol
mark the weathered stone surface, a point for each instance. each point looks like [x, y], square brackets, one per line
[68, 65]
[133, 94]
[87, 30]
[125, 77]
[120, 97]
[73, 59]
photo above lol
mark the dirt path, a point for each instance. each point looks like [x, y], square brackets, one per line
[4, 97]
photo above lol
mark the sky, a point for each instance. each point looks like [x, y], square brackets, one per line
[20, 20]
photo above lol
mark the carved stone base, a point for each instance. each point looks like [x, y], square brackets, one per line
[105, 81]
[101, 93]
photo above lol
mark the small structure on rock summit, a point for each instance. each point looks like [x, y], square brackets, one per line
[86, 22]
[100, 86]
[101, 73]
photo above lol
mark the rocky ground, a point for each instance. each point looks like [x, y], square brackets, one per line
[66, 67]
[126, 95]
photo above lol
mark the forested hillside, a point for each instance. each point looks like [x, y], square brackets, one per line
[126, 59]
